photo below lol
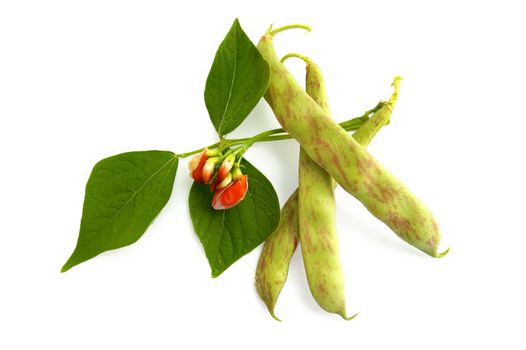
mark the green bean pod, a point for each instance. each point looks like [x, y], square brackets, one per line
[317, 218]
[345, 159]
[382, 117]
[274, 260]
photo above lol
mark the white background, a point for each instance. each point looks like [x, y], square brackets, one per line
[80, 81]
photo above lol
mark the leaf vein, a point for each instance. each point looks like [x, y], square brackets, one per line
[231, 84]
[135, 193]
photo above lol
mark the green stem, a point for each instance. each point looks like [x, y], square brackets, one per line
[263, 136]
[296, 55]
[394, 96]
[272, 32]
[273, 135]
[350, 124]
[186, 154]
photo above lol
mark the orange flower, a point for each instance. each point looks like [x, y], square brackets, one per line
[202, 167]
[220, 180]
[208, 169]
[224, 183]
[232, 194]
[196, 165]
[225, 168]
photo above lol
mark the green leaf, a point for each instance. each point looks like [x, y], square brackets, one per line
[227, 235]
[237, 80]
[123, 195]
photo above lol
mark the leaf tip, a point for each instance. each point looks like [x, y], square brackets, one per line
[73, 261]
[236, 26]
[344, 316]
[65, 267]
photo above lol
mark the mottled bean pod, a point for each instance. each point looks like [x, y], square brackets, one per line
[317, 218]
[274, 260]
[345, 159]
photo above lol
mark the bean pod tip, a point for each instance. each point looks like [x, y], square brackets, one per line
[443, 254]
[349, 318]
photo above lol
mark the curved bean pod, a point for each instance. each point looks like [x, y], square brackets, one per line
[346, 160]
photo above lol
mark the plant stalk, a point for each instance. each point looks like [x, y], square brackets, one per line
[274, 135]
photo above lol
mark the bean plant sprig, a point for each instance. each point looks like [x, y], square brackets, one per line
[233, 206]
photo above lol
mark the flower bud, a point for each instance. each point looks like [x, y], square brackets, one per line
[231, 195]
[236, 173]
[212, 152]
[224, 183]
[194, 162]
[208, 169]
[227, 164]
[196, 165]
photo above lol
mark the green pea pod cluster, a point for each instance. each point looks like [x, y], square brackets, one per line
[327, 152]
